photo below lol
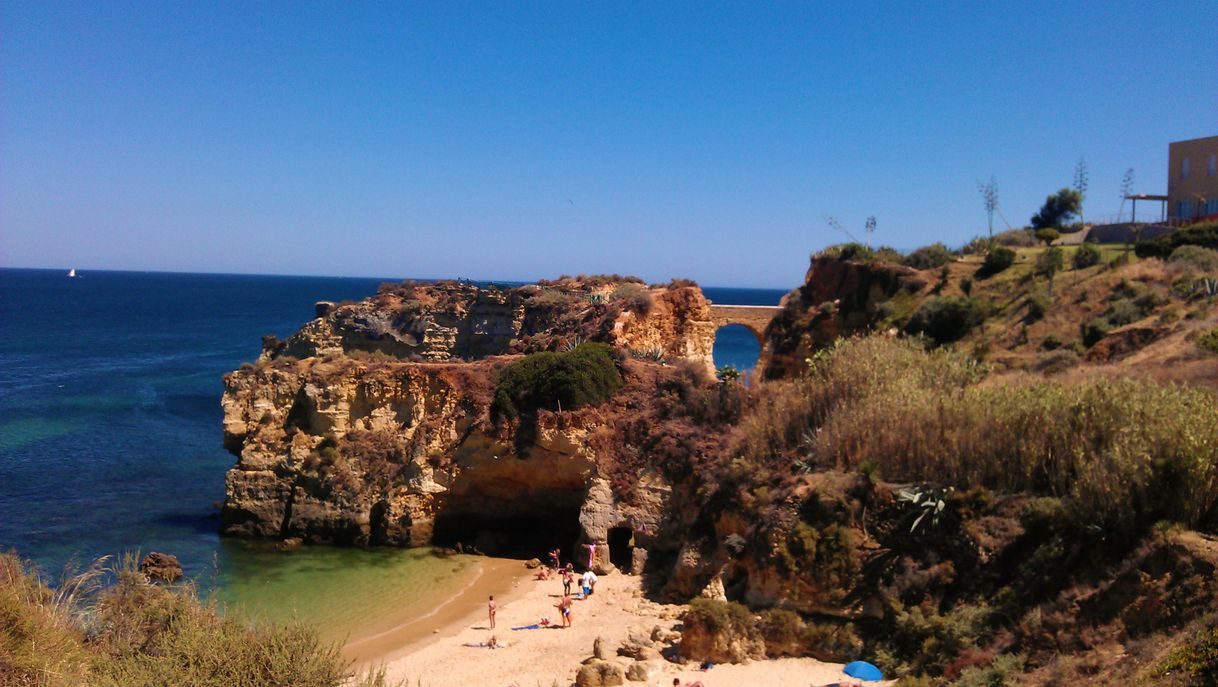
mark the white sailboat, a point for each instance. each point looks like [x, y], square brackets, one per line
[72, 273]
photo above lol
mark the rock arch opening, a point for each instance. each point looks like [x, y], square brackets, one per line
[737, 345]
[621, 547]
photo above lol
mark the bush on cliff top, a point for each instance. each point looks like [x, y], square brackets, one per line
[585, 375]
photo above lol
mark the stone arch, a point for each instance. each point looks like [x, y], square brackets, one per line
[755, 318]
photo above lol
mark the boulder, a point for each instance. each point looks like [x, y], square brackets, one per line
[532, 564]
[638, 561]
[290, 544]
[599, 651]
[644, 671]
[600, 674]
[161, 567]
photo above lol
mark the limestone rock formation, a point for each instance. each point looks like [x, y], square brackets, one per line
[600, 674]
[372, 424]
[838, 298]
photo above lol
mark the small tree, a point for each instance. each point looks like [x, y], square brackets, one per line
[1049, 263]
[1048, 235]
[1058, 208]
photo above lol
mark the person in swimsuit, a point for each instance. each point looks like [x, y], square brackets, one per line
[568, 576]
[490, 607]
[564, 607]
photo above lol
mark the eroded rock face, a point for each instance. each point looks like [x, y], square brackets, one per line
[445, 321]
[838, 298]
[371, 424]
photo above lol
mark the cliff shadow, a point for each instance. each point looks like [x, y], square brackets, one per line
[529, 532]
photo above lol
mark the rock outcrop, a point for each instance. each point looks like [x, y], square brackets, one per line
[838, 298]
[372, 424]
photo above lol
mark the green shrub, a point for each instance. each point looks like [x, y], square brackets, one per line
[781, 629]
[1049, 262]
[583, 376]
[1093, 330]
[929, 257]
[1198, 660]
[998, 674]
[966, 285]
[633, 297]
[1204, 235]
[1209, 341]
[1122, 312]
[1039, 303]
[718, 617]
[1086, 256]
[946, 319]
[1016, 238]
[889, 255]
[1047, 235]
[996, 261]
[1205, 259]
[1056, 362]
[847, 251]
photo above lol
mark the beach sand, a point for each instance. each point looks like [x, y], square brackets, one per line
[547, 657]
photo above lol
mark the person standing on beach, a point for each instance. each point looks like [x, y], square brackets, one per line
[589, 583]
[564, 607]
[568, 576]
[554, 559]
[490, 608]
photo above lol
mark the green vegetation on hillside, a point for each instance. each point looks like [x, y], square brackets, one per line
[585, 375]
[1122, 454]
[131, 633]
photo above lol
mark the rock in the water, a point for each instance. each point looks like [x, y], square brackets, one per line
[291, 544]
[161, 567]
[644, 671]
[600, 674]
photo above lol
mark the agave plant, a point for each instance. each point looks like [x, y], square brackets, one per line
[931, 501]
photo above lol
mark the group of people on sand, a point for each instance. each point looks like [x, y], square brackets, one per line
[567, 572]
[587, 581]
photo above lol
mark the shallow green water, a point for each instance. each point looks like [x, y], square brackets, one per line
[344, 592]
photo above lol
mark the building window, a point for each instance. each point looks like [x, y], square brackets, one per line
[1211, 168]
[1184, 168]
[1184, 209]
[1211, 206]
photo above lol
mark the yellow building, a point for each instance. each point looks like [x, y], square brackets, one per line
[1192, 179]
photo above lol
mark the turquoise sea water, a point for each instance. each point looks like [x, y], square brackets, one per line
[110, 424]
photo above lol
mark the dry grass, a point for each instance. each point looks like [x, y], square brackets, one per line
[1123, 454]
[130, 633]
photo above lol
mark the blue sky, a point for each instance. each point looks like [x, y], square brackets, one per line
[517, 141]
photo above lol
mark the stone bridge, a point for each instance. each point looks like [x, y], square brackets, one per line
[753, 317]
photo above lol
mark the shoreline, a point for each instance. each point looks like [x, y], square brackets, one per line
[410, 632]
[451, 655]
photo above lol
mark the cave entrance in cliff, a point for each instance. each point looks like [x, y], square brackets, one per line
[621, 547]
[527, 531]
[738, 346]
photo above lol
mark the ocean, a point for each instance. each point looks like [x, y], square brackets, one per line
[110, 428]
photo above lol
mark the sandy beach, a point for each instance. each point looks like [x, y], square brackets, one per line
[552, 656]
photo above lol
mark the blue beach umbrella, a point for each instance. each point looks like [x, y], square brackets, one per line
[863, 671]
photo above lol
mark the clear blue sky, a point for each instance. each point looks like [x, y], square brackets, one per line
[517, 141]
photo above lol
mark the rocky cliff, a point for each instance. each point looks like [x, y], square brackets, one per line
[373, 424]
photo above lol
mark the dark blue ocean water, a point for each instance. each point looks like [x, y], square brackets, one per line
[110, 434]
